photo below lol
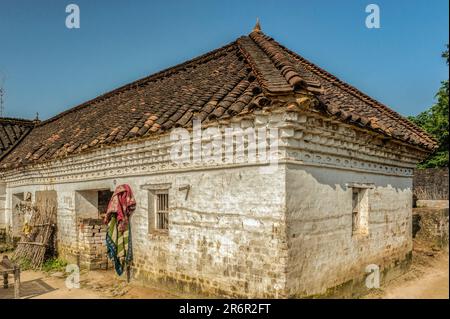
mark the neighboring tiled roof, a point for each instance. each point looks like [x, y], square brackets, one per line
[236, 78]
[12, 131]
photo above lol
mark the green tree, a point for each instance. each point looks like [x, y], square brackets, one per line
[435, 121]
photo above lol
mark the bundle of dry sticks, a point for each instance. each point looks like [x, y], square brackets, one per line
[36, 240]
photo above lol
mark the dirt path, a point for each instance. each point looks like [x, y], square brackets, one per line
[432, 285]
[428, 279]
[106, 284]
[93, 285]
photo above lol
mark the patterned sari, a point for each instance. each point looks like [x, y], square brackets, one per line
[118, 236]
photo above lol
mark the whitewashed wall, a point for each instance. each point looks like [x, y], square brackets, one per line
[323, 251]
[226, 237]
[243, 233]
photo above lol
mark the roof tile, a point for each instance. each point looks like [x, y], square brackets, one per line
[235, 79]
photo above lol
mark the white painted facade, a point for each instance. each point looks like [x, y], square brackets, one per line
[238, 232]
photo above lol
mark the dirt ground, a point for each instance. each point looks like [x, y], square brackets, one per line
[93, 285]
[428, 278]
[430, 285]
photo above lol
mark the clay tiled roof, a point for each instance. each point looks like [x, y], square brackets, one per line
[237, 78]
[12, 131]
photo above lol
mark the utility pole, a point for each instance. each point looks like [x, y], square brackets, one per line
[2, 107]
[2, 95]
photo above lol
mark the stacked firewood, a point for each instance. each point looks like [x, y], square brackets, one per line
[37, 236]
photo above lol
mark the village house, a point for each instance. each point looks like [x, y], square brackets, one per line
[339, 199]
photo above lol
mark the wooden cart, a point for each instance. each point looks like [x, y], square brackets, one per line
[7, 268]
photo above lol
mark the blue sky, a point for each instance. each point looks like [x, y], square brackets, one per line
[48, 68]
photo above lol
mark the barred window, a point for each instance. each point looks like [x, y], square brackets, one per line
[162, 211]
[158, 208]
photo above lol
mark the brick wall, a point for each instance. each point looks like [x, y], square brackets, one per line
[431, 183]
[430, 225]
[91, 240]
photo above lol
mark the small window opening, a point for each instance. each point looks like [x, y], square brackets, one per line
[360, 211]
[158, 208]
[92, 203]
[162, 210]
